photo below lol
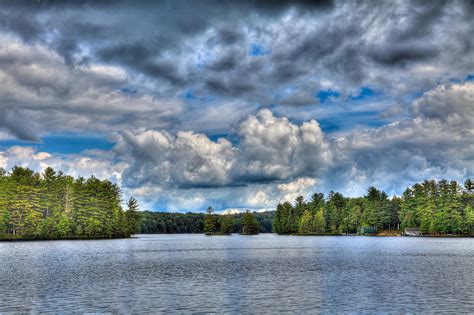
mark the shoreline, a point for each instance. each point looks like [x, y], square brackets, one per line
[169, 234]
[34, 239]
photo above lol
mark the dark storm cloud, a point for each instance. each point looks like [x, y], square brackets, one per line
[225, 63]
[14, 122]
[395, 55]
[338, 41]
[137, 36]
[420, 20]
[226, 36]
[28, 29]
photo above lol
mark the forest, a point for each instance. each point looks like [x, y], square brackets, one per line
[53, 205]
[434, 208]
[172, 222]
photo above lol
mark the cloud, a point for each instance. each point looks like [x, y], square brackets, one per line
[125, 72]
[270, 149]
[103, 166]
[14, 122]
[184, 160]
[67, 67]
[273, 149]
[278, 160]
[40, 94]
[437, 142]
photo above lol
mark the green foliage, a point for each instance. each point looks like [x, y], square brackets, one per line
[377, 209]
[250, 225]
[227, 224]
[172, 222]
[306, 223]
[318, 222]
[210, 222]
[132, 216]
[52, 205]
[436, 208]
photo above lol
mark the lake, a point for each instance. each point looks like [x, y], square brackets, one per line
[239, 274]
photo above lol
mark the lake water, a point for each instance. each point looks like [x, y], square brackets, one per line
[239, 274]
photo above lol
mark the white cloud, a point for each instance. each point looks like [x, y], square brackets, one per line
[278, 160]
[438, 142]
[270, 149]
[71, 164]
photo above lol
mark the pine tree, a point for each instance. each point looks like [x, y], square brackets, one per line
[468, 220]
[4, 214]
[210, 222]
[306, 223]
[277, 224]
[286, 218]
[426, 205]
[132, 216]
[318, 222]
[296, 213]
[408, 214]
[250, 225]
[227, 224]
[469, 185]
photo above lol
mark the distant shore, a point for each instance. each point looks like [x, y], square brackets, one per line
[75, 238]
[11, 240]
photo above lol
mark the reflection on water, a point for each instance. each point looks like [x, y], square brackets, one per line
[250, 274]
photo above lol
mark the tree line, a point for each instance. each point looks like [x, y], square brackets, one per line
[52, 205]
[171, 222]
[226, 224]
[435, 208]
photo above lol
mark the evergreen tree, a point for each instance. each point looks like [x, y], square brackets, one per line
[227, 224]
[133, 218]
[469, 185]
[468, 222]
[250, 225]
[210, 222]
[277, 220]
[306, 223]
[296, 213]
[318, 222]
[52, 205]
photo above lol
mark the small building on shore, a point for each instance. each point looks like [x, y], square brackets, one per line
[412, 231]
[367, 230]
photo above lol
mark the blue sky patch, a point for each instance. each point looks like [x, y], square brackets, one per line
[128, 91]
[257, 50]
[326, 95]
[363, 93]
[188, 95]
[352, 120]
[65, 143]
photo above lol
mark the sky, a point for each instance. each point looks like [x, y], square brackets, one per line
[239, 104]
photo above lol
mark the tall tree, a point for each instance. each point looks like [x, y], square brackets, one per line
[227, 224]
[318, 222]
[210, 222]
[53, 205]
[250, 225]
[133, 218]
[306, 223]
[469, 185]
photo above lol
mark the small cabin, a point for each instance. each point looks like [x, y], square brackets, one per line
[412, 232]
[367, 230]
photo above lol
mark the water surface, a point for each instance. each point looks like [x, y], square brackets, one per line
[235, 274]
